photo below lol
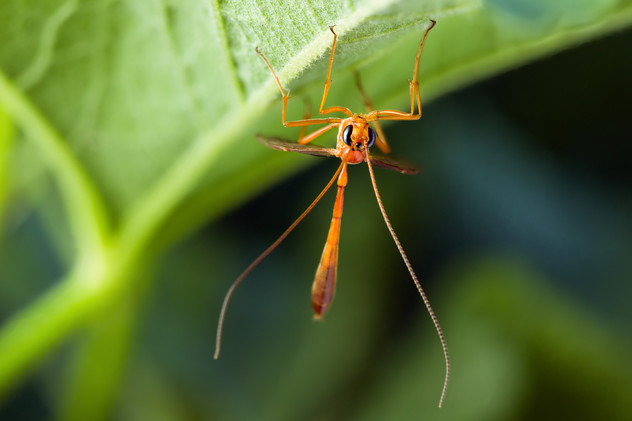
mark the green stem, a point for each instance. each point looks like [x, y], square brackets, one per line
[85, 209]
[98, 364]
[32, 334]
[75, 301]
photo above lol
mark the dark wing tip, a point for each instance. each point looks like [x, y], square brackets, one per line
[395, 164]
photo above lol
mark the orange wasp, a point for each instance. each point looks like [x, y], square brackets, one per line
[355, 138]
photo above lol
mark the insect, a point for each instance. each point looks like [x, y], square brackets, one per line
[355, 138]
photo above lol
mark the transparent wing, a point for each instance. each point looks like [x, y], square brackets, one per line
[287, 146]
[394, 164]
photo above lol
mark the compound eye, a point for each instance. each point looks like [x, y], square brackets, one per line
[346, 134]
[371, 141]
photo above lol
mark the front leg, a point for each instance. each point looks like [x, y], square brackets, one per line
[414, 92]
[286, 97]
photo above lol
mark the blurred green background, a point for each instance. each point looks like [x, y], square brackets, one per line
[520, 228]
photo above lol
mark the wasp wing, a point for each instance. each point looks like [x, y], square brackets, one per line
[378, 160]
[287, 146]
[395, 164]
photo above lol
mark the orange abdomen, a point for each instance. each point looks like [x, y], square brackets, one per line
[325, 281]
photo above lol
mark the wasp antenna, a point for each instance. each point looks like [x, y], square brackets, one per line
[422, 293]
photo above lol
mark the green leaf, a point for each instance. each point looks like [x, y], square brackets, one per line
[6, 143]
[144, 113]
